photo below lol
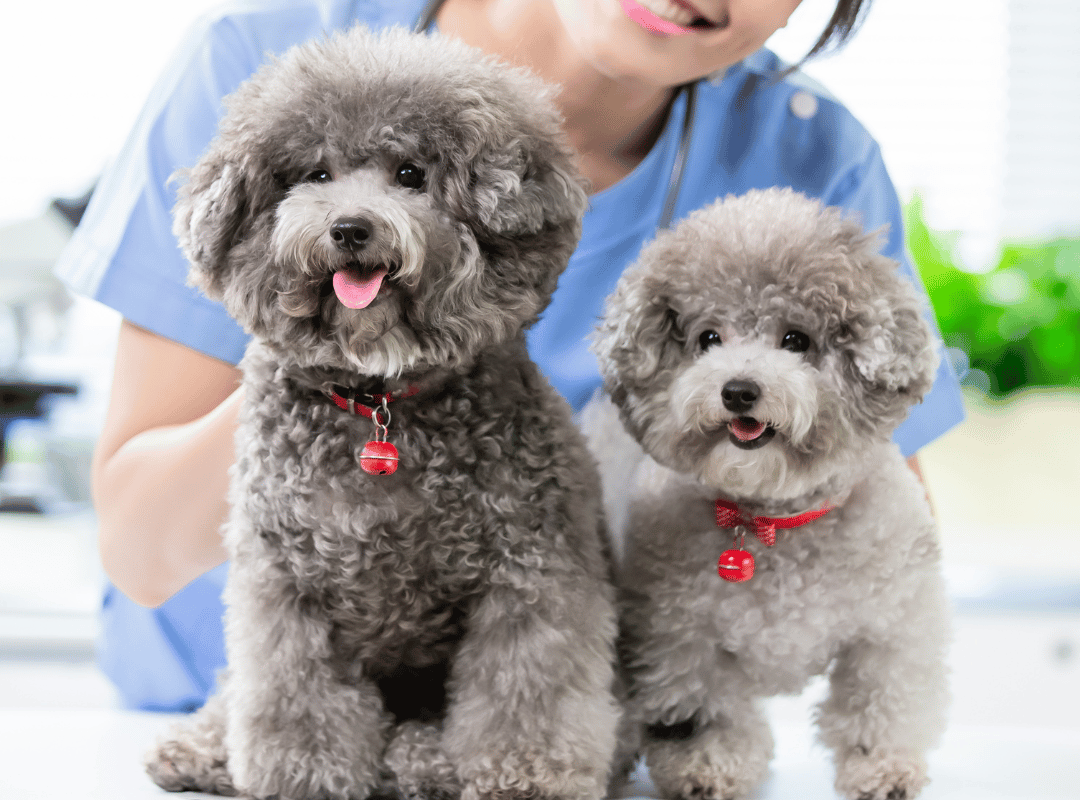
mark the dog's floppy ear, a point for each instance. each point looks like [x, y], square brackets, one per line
[889, 344]
[522, 189]
[212, 208]
[639, 336]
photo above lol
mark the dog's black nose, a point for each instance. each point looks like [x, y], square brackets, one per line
[350, 233]
[740, 396]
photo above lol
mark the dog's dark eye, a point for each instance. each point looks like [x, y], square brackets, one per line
[318, 176]
[409, 175]
[795, 341]
[709, 339]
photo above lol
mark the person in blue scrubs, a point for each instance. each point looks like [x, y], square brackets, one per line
[670, 104]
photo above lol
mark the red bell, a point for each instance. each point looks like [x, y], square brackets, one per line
[736, 566]
[379, 458]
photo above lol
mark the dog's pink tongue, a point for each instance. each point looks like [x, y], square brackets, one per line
[746, 429]
[355, 291]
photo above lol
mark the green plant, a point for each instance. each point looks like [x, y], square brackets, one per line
[1019, 323]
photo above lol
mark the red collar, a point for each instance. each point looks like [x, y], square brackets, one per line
[379, 457]
[729, 516]
[366, 404]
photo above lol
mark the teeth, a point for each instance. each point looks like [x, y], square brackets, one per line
[668, 11]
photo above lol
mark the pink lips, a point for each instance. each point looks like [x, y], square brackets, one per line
[651, 22]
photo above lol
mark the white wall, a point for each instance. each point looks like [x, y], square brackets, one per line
[928, 78]
[75, 75]
[1042, 144]
[976, 104]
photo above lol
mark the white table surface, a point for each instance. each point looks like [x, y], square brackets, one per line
[96, 754]
[1014, 731]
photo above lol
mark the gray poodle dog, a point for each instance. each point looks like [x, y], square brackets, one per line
[762, 353]
[419, 600]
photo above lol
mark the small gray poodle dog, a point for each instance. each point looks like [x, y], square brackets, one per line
[762, 354]
[419, 601]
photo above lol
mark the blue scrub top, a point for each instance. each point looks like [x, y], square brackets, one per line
[751, 130]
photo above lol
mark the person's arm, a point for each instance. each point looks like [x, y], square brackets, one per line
[916, 467]
[913, 463]
[160, 467]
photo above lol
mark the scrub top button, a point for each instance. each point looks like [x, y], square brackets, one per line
[803, 105]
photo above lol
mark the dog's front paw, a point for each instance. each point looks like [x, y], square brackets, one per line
[419, 765]
[521, 791]
[312, 781]
[881, 775]
[533, 779]
[711, 785]
[714, 764]
[724, 789]
[177, 765]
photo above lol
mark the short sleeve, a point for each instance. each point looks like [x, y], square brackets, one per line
[124, 253]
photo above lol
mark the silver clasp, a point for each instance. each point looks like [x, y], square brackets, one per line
[382, 423]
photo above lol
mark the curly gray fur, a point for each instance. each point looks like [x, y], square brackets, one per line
[447, 630]
[856, 594]
[757, 263]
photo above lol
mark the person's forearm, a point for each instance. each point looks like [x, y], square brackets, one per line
[161, 501]
[916, 467]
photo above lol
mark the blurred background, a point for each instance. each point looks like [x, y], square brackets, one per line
[976, 104]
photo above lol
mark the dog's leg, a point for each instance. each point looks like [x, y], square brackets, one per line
[531, 711]
[295, 730]
[887, 703]
[704, 735]
[193, 758]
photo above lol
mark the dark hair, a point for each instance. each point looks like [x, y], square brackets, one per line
[842, 26]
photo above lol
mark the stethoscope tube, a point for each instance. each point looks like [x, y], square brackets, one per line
[689, 90]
